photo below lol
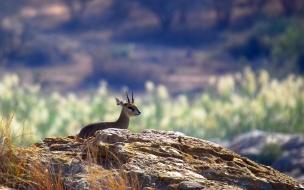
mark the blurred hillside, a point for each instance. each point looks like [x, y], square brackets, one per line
[74, 44]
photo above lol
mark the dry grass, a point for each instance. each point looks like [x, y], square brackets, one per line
[19, 168]
[18, 172]
[115, 179]
[27, 168]
[110, 176]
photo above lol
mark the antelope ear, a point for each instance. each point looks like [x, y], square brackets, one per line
[118, 102]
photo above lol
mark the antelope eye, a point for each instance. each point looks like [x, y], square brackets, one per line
[130, 108]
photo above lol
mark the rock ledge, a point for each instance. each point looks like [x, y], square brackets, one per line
[159, 160]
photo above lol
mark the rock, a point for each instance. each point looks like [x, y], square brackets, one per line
[250, 144]
[284, 152]
[291, 163]
[155, 160]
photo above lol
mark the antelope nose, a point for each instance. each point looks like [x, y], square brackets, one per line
[139, 112]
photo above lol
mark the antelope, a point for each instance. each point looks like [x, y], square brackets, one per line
[129, 109]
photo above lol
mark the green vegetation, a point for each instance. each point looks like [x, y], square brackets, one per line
[235, 104]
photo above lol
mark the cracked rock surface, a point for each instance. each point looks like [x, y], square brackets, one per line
[157, 160]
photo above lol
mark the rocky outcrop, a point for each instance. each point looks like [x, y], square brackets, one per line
[156, 160]
[283, 152]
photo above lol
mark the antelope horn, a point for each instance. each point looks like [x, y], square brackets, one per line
[132, 98]
[128, 97]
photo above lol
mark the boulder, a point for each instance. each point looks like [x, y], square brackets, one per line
[155, 160]
[283, 152]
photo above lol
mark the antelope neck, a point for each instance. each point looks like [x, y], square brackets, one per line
[123, 120]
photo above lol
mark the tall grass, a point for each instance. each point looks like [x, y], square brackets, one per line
[20, 167]
[235, 104]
